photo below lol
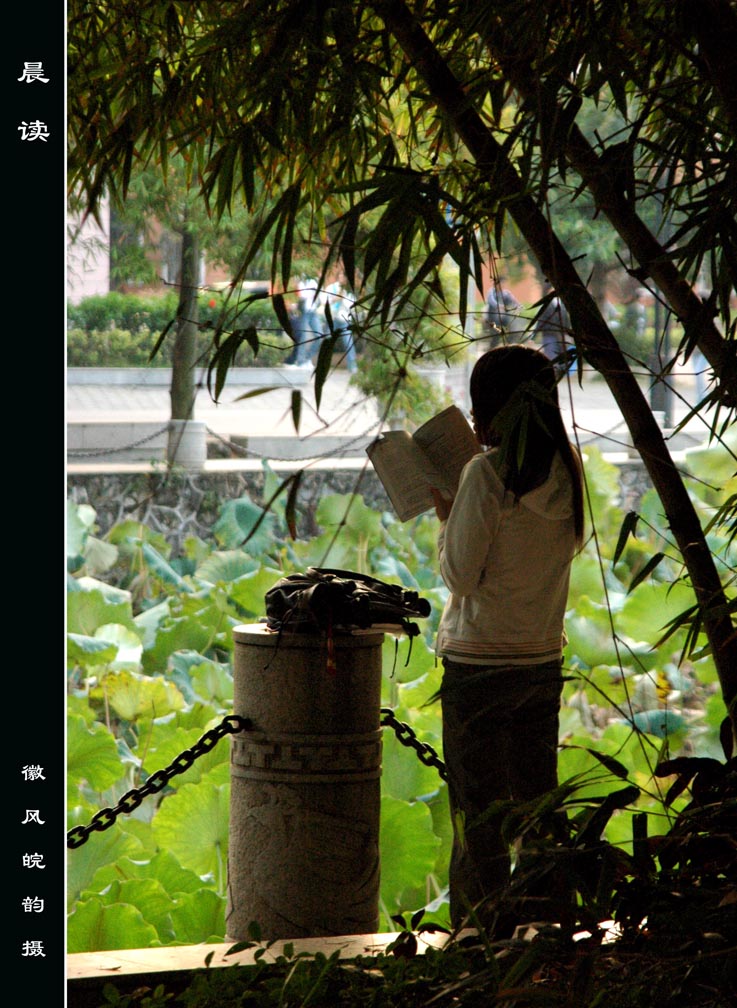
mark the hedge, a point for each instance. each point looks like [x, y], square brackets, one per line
[121, 330]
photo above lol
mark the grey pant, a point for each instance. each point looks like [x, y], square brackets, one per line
[500, 738]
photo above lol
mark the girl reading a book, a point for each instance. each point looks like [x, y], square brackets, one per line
[505, 547]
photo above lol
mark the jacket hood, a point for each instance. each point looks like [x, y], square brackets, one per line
[553, 498]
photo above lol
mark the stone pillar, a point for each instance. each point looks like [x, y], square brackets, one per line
[187, 443]
[303, 857]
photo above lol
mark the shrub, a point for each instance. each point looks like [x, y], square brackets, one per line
[123, 311]
[121, 330]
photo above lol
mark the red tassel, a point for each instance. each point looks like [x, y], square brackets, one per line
[331, 666]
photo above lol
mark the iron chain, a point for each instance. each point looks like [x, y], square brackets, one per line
[130, 801]
[425, 753]
[92, 452]
[230, 725]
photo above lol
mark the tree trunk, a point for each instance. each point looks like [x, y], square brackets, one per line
[184, 355]
[593, 339]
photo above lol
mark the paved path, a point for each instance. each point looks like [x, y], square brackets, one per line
[344, 413]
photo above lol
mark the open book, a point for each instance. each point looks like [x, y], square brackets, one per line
[409, 465]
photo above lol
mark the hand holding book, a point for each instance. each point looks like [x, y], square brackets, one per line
[442, 504]
[411, 466]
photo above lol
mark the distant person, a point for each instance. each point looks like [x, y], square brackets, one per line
[634, 316]
[341, 305]
[610, 314]
[307, 324]
[500, 319]
[551, 327]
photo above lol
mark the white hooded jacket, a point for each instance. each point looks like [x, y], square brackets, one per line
[507, 566]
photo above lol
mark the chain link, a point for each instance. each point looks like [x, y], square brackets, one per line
[345, 446]
[425, 753]
[230, 725]
[94, 452]
[130, 801]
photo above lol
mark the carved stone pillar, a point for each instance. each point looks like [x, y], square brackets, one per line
[303, 858]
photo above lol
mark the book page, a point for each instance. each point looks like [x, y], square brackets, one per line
[409, 465]
[449, 441]
[406, 473]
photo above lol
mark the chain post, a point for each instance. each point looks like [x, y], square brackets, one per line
[230, 725]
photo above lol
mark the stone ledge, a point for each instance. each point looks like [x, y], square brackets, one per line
[143, 377]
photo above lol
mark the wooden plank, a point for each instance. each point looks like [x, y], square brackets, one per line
[187, 957]
[132, 969]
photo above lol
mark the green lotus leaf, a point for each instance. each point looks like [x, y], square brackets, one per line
[99, 556]
[164, 743]
[94, 927]
[78, 703]
[129, 534]
[226, 566]
[199, 917]
[163, 867]
[646, 613]
[248, 591]
[660, 722]
[148, 896]
[88, 609]
[92, 754]
[351, 513]
[602, 484]
[128, 643]
[586, 577]
[402, 774]
[213, 682]
[195, 625]
[201, 678]
[100, 849]
[163, 570]
[714, 464]
[243, 525]
[193, 824]
[89, 652]
[589, 633]
[79, 523]
[416, 695]
[405, 659]
[409, 849]
[133, 695]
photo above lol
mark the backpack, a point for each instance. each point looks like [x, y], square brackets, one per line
[323, 600]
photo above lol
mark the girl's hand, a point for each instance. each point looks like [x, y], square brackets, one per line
[442, 506]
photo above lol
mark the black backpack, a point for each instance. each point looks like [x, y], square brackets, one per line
[323, 600]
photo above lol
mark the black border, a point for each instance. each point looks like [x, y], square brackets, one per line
[35, 465]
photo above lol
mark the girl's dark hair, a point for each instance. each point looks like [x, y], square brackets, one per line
[514, 396]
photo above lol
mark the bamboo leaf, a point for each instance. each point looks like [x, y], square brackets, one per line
[646, 571]
[258, 392]
[160, 339]
[296, 408]
[222, 359]
[324, 360]
[282, 314]
[291, 505]
[629, 526]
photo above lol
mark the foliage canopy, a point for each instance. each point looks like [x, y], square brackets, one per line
[400, 136]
